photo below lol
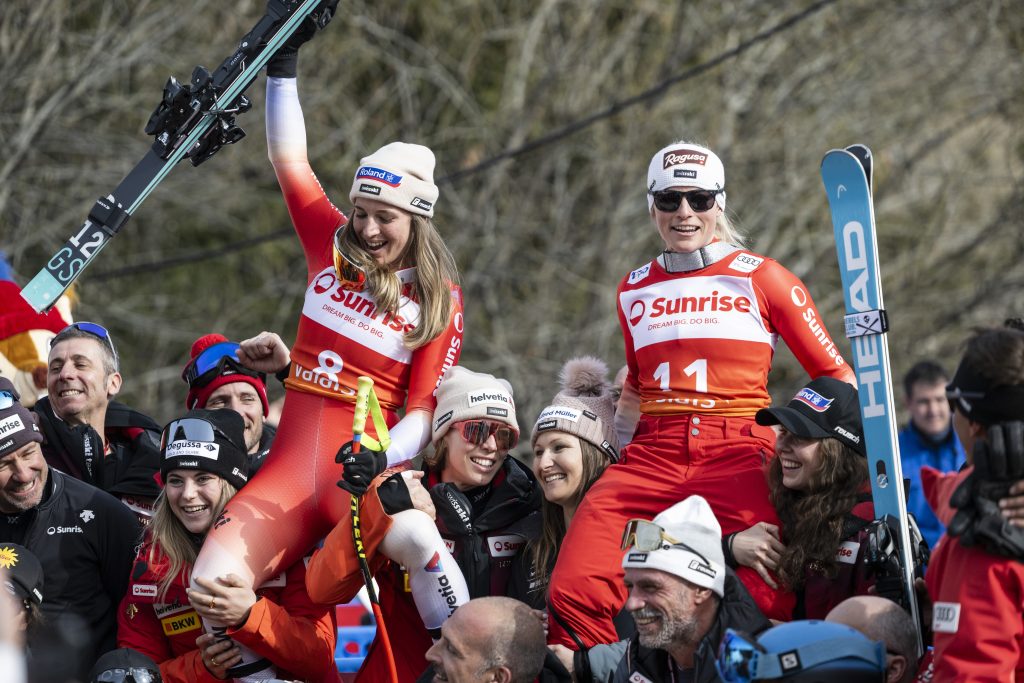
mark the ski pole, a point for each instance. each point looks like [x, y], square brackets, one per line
[366, 402]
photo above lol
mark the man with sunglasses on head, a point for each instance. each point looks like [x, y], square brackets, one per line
[216, 378]
[88, 434]
[682, 598]
[83, 538]
[700, 324]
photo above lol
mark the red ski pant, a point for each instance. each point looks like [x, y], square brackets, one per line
[670, 458]
[293, 501]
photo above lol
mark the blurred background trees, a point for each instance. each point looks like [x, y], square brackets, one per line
[542, 235]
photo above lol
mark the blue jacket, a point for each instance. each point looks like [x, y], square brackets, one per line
[917, 450]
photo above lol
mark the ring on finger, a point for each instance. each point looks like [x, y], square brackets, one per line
[213, 603]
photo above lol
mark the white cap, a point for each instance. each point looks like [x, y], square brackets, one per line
[691, 522]
[399, 174]
[684, 164]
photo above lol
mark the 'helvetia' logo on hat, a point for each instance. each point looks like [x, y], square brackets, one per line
[813, 400]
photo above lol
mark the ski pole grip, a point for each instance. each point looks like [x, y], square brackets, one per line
[365, 386]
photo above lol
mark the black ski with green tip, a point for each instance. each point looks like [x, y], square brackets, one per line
[192, 121]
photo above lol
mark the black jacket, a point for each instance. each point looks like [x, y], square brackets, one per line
[487, 528]
[134, 441]
[85, 540]
[628, 660]
[257, 459]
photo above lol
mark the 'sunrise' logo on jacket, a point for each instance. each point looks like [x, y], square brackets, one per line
[706, 307]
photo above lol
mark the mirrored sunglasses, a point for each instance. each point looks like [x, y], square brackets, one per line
[193, 429]
[477, 432]
[135, 675]
[95, 329]
[670, 200]
[350, 274]
[646, 536]
[219, 359]
[6, 400]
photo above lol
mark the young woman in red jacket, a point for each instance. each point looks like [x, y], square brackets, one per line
[203, 465]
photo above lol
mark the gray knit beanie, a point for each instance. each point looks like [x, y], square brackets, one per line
[467, 395]
[584, 407]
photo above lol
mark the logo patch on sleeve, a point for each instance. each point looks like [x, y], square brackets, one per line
[745, 263]
[946, 617]
[639, 274]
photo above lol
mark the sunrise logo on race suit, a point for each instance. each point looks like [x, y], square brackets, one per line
[813, 400]
[354, 315]
[192, 449]
[559, 412]
[710, 307]
[380, 175]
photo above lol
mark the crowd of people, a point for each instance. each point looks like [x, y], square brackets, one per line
[674, 528]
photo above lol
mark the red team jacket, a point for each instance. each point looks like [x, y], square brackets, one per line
[285, 626]
[977, 601]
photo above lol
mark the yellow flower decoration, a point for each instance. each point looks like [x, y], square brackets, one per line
[8, 557]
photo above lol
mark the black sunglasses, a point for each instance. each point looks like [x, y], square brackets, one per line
[670, 200]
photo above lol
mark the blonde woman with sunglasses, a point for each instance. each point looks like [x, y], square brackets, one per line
[700, 324]
[486, 508]
[381, 300]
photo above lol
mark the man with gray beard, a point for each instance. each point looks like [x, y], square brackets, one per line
[682, 597]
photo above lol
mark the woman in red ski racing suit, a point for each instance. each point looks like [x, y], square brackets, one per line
[381, 301]
[700, 324]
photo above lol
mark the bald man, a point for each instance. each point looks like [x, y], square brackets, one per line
[488, 640]
[884, 620]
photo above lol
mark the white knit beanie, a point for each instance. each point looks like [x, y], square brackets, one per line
[399, 174]
[467, 395]
[584, 407]
[691, 522]
[683, 164]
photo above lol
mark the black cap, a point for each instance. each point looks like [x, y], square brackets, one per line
[24, 573]
[826, 407]
[220, 451]
[127, 659]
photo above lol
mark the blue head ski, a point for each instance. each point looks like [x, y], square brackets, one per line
[844, 172]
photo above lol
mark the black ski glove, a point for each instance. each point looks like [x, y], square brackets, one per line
[998, 463]
[394, 494]
[360, 468]
[285, 62]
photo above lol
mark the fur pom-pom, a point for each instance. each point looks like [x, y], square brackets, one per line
[584, 376]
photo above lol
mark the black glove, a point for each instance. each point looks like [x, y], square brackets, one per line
[394, 494]
[360, 468]
[998, 463]
[285, 62]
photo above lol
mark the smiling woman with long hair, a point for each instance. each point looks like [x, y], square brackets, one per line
[203, 465]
